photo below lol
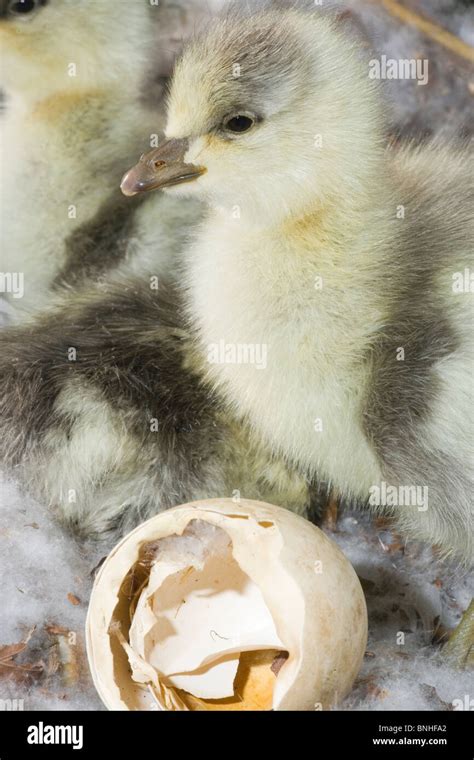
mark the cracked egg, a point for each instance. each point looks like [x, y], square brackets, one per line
[218, 605]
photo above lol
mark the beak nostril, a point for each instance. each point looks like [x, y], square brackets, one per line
[161, 168]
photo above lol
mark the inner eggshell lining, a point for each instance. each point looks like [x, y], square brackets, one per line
[194, 628]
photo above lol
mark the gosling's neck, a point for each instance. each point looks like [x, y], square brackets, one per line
[327, 260]
[346, 216]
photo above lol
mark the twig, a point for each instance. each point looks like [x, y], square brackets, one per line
[429, 28]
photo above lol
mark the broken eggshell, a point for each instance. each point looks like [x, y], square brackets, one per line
[218, 605]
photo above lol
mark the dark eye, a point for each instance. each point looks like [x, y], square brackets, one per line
[22, 7]
[239, 123]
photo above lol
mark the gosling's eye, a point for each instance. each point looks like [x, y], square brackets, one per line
[239, 123]
[22, 7]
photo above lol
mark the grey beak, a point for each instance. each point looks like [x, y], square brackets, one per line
[161, 167]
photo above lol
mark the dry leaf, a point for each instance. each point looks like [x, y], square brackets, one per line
[8, 651]
[18, 671]
[56, 630]
[375, 691]
[331, 515]
[65, 653]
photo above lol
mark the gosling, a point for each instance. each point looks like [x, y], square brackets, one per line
[348, 262]
[103, 416]
[77, 99]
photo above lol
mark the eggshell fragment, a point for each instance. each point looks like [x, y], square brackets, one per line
[217, 605]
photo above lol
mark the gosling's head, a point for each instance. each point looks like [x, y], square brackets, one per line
[272, 113]
[48, 45]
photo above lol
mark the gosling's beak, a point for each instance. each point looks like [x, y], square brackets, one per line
[161, 167]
